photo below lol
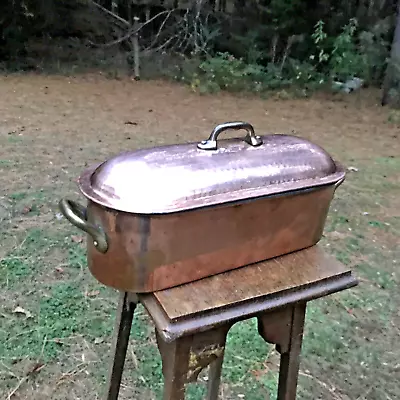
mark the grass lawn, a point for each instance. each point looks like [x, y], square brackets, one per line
[56, 320]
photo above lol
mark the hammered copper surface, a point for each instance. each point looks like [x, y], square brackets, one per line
[182, 177]
[165, 216]
[152, 253]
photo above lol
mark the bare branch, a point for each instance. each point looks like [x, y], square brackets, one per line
[287, 51]
[164, 45]
[159, 31]
[110, 13]
[132, 31]
[187, 31]
[274, 45]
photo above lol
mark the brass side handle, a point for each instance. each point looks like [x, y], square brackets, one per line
[76, 214]
[251, 138]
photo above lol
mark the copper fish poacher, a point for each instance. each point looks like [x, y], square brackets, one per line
[164, 216]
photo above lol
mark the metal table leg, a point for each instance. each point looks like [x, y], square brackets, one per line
[124, 318]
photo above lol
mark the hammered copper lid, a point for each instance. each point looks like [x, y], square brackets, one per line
[186, 176]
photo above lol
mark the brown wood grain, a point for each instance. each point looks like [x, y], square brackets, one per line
[294, 270]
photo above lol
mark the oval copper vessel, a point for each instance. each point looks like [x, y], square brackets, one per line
[168, 215]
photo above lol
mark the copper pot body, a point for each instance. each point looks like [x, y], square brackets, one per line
[164, 216]
[150, 253]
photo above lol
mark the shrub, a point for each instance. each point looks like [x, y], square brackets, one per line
[225, 72]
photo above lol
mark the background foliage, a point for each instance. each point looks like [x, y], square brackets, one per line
[258, 46]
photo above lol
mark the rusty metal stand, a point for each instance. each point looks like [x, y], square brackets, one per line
[122, 330]
[284, 328]
[191, 333]
[184, 359]
[214, 378]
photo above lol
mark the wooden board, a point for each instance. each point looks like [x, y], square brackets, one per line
[289, 272]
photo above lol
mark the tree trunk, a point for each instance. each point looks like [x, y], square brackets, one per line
[392, 78]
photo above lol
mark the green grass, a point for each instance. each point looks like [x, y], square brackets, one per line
[5, 163]
[246, 353]
[13, 269]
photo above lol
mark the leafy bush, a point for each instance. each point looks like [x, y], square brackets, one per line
[374, 45]
[330, 59]
[225, 72]
[346, 61]
[352, 54]
[305, 74]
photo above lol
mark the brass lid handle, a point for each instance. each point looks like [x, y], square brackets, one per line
[251, 138]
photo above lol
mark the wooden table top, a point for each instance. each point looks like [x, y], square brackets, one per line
[299, 276]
